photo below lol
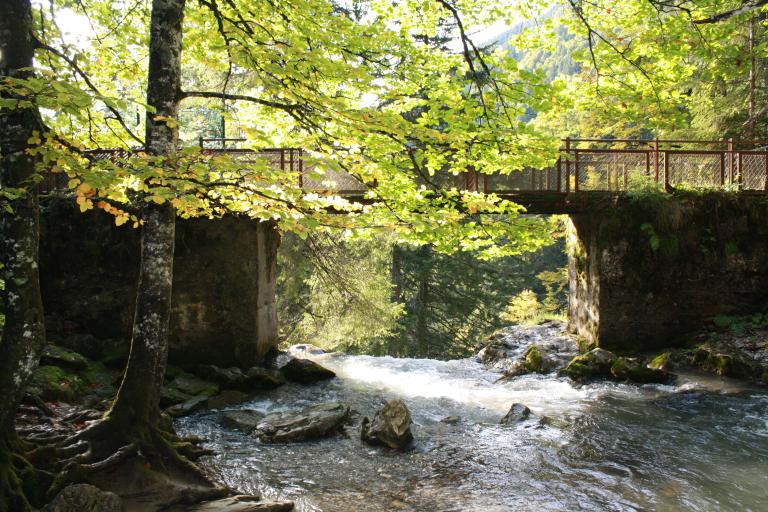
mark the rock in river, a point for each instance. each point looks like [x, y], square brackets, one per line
[314, 422]
[305, 371]
[391, 426]
[595, 363]
[517, 413]
[245, 420]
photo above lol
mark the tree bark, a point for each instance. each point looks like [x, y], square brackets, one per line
[137, 403]
[24, 332]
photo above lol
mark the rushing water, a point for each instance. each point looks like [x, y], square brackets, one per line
[604, 446]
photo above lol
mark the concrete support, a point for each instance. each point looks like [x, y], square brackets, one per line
[651, 271]
[223, 305]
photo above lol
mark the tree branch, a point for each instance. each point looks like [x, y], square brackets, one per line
[744, 8]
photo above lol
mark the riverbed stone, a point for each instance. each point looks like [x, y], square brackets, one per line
[227, 398]
[595, 363]
[84, 498]
[633, 370]
[318, 421]
[711, 358]
[172, 396]
[516, 414]
[192, 385]
[226, 378]
[391, 426]
[239, 504]
[305, 371]
[258, 377]
[188, 407]
[54, 383]
[246, 420]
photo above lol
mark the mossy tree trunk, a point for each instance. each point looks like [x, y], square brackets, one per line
[24, 332]
[136, 406]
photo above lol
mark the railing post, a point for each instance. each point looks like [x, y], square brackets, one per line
[559, 166]
[200, 141]
[656, 160]
[666, 171]
[647, 163]
[567, 165]
[282, 159]
[485, 183]
[730, 161]
[301, 168]
[765, 170]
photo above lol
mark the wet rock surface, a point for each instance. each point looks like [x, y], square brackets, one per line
[519, 350]
[315, 422]
[305, 371]
[390, 426]
[516, 414]
[246, 420]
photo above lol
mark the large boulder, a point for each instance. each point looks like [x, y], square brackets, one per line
[633, 370]
[314, 422]
[595, 363]
[246, 420]
[84, 498]
[391, 426]
[516, 414]
[305, 371]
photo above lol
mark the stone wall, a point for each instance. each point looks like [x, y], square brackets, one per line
[650, 271]
[224, 309]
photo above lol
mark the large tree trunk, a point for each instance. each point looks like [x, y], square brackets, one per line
[23, 333]
[137, 402]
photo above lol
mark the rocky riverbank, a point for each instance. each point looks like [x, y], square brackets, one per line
[738, 350]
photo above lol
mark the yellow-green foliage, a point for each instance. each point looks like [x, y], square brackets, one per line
[522, 308]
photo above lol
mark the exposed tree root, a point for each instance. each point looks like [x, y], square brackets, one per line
[22, 487]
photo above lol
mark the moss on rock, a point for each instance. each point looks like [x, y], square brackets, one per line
[632, 370]
[55, 383]
[595, 363]
[534, 362]
[710, 358]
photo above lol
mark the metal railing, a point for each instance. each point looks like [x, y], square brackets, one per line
[615, 165]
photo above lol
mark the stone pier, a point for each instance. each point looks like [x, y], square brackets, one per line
[224, 308]
[649, 271]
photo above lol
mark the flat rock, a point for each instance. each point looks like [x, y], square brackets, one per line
[188, 407]
[314, 422]
[305, 371]
[227, 398]
[245, 420]
[391, 426]
[516, 414]
[84, 498]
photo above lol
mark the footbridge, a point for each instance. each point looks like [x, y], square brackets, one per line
[645, 270]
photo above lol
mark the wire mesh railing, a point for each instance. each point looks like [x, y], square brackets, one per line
[617, 165]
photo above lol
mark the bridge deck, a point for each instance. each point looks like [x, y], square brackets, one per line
[588, 171]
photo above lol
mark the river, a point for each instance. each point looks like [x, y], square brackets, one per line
[603, 446]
